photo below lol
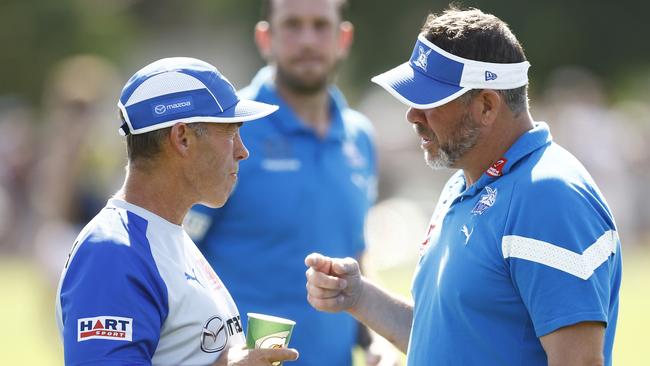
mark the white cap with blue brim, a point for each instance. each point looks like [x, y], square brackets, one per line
[183, 89]
[433, 76]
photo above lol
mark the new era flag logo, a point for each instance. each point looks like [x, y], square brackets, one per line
[490, 76]
[105, 327]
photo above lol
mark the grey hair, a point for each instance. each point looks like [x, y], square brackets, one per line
[516, 99]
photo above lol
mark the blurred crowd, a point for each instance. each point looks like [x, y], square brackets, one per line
[62, 159]
[59, 161]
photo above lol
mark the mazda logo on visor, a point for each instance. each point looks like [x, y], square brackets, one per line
[160, 109]
[214, 337]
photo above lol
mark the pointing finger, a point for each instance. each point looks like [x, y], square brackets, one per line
[319, 262]
[345, 266]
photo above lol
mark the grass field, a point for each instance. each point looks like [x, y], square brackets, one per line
[28, 331]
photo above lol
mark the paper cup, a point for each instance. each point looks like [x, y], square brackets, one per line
[266, 331]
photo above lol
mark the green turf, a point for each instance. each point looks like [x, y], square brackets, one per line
[631, 342]
[29, 335]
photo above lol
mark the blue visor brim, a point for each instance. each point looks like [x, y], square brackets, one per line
[416, 89]
[247, 110]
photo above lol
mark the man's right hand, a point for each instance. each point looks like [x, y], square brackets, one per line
[333, 284]
[241, 356]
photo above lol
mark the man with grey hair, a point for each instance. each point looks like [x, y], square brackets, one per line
[521, 264]
[135, 289]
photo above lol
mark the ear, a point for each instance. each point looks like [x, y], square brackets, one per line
[346, 35]
[180, 138]
[487, 106]
[263, 38]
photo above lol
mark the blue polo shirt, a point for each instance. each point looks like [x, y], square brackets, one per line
[298, 193]
[529, 248]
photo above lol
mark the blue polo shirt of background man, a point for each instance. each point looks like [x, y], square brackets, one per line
[299, 193]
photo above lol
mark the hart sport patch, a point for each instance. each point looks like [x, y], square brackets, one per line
[105, 327]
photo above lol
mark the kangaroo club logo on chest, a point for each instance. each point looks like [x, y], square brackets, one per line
[486, 201]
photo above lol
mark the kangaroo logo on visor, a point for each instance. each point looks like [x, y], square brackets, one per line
[422, 58]
[490, 76]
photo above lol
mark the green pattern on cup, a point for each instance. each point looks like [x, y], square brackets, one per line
[265, 331]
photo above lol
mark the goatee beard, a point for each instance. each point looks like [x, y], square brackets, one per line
[461, 142]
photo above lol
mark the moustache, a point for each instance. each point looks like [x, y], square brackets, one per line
[308, 54]
[423, 132]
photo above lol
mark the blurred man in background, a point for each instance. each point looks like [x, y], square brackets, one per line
[308, 186]
[521, 264]
[135, 289]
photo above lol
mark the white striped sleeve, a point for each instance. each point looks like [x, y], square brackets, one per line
[580, 265]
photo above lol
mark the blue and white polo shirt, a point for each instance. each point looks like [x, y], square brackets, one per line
[136, 291]
[529, 248]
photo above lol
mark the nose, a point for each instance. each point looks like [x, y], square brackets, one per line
[414, 115]
[240, 151]
[308, 36]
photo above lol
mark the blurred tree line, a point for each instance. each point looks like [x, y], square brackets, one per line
[606, 37]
